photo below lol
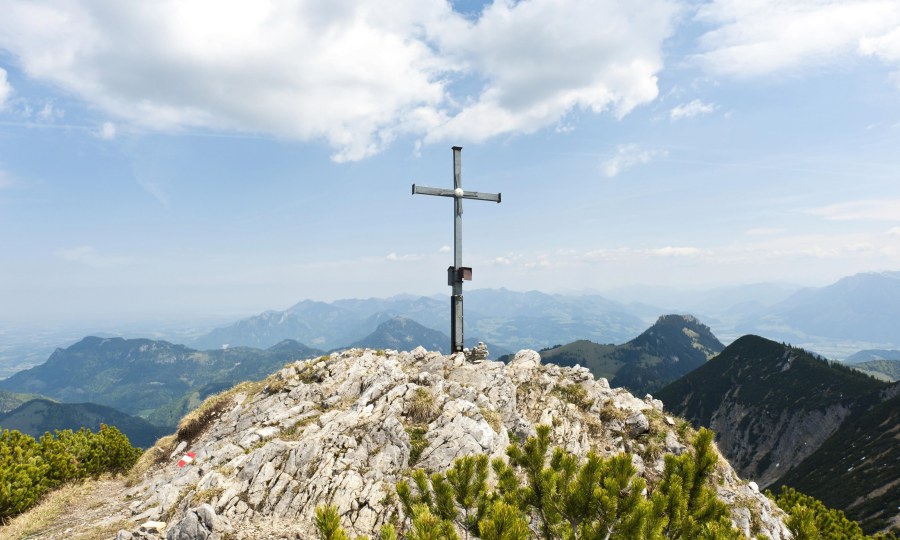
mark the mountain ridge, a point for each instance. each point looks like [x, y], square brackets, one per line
[773, 406]
[670, 348]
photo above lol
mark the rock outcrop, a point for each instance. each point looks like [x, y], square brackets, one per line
[344, 428]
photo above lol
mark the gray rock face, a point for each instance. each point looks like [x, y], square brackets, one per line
[344, 428]
[790, 437]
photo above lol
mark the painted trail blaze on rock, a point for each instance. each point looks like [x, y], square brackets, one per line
[187, 459]
[343, 429]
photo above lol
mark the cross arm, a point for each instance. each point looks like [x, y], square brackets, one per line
[477, 195]
[421, 190]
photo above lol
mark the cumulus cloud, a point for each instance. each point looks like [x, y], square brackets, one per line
[89, 256]
[352, 74]
[544, 59]
[864, 210]
[766, 36]
[626, 157]
[689, 110]
[5, 89]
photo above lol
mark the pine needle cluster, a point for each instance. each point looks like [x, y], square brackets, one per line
[554, 495]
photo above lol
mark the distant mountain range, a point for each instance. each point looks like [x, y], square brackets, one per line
[885, 370]
[774, 407]
[857, 309]
[138, 376]
[509, 320]
[674, 346]
[39, 416]
[872, 354]
[863, 307]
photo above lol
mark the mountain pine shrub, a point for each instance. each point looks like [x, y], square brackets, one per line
[810, 519]
[30, 468]
[551, 495]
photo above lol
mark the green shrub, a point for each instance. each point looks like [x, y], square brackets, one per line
[30, 468]
[562, 496]
[810, 519]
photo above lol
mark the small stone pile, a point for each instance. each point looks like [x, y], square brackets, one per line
[478, 354]
[344, 428]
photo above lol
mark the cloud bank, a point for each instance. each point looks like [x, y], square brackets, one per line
[751, 38]
[348, 73]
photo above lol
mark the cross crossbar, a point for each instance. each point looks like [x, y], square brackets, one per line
[477, 195]
[457, 273]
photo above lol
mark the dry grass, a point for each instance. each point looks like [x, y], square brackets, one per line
[610, 412]
[198, 420]
[156, 454]
[294, 432]
[206, 496]
[574, 394]
[74, 511]
[421, 409]
[492, 418]
[41, 516]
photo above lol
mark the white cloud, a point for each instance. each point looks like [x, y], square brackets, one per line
[627, 156]
[765, 36]
[107, 131]
[351, 73]
[894, 231]
[544, 59]
[6, 89]
[689, 110]
[444, 249]
[88, 255]
[865, 210]
[49, 112]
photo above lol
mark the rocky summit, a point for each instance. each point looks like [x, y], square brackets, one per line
[256, 461]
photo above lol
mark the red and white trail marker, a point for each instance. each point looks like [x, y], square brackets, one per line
[187, 459]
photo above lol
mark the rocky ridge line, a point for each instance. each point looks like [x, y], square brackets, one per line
[344, 428]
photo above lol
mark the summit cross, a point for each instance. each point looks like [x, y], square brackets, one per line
[457, 273]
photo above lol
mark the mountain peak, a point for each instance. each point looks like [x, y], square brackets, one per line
[673, 333]
[343, 429]
[403, 333]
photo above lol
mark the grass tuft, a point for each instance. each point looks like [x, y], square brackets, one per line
[422, 408]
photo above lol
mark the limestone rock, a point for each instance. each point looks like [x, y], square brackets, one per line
[344, 428]
[200, 523]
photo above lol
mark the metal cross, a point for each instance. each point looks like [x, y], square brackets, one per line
[457, 273]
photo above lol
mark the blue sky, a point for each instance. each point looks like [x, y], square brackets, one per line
[192, 158]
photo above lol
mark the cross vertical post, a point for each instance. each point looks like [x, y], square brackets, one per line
[457, 273]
